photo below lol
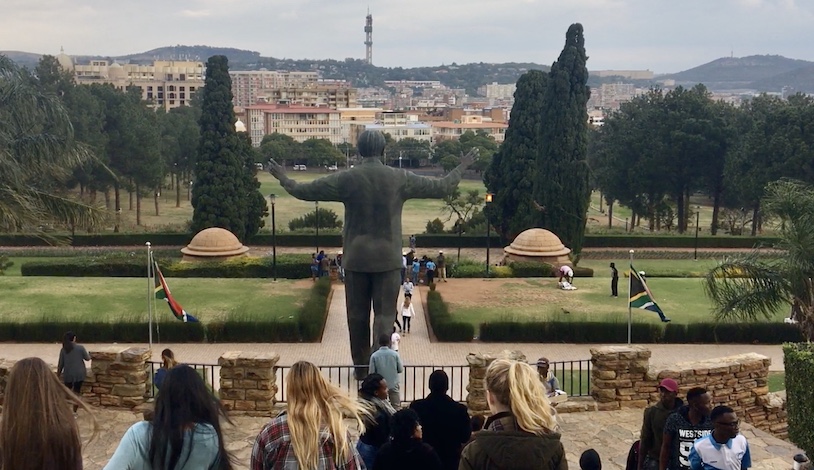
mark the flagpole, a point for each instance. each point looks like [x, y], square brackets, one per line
[153, 264]
[629, 309]
[150, 288]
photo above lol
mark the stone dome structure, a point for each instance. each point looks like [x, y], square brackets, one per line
[65, 61]
[213, 244]
[537, 245]
[116, 72]
[239, 126]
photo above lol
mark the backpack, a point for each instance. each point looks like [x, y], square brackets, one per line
[633, 457]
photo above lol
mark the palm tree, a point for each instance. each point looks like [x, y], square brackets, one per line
[37, 154]
[747, 288]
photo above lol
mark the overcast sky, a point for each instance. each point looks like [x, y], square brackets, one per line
[659, 35]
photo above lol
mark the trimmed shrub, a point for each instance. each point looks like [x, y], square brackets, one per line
[289, 266]
[735, 333]
[314, 312]
[798, 360]
[101, 332]
[567, 332]
[443, 326]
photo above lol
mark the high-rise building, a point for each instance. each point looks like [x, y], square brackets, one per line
[247, 84]
[314, 95]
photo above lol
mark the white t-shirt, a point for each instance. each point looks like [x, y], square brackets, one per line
[395, 339]
[408, 287]
[408, 311]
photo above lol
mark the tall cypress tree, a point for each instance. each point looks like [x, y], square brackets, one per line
[256, 207]
[510, 176]
[561, 187]
[219, 194]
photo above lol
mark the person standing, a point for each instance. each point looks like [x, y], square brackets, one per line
[523, 425]
[683, 428]
[441, 263]
[412, 242]
[387, 363]
[406, 451]
[408, 288]
[395, 339]
[430, 271]
[655, 418]
[416, 269]
[373, 391]
[339, 267]
[403, 268]
[407, 312]
[314, 267]
[614, 280]
[725, 448]
[71, 365]
[324, 265]
[445, 422]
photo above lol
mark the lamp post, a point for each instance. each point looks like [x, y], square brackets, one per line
[697, 212]
[272, 198]
[460, 224]
[316, 239]
[488, 231]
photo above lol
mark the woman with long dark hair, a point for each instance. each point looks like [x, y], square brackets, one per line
[373, 392]
[37, 430]
[71, 365]
[184, 434]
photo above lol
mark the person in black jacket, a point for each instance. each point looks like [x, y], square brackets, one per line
[405, 451]
[445, 422]
[377, 430]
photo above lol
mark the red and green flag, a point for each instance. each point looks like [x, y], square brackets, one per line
[162, 292]
[640, 295]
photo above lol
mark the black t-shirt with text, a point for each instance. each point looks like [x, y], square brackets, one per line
[683, 434]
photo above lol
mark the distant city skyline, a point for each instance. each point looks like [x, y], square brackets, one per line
[661, 36]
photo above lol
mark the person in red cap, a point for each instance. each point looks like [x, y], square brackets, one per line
[653, 425]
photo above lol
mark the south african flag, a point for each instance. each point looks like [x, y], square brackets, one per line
[162, 291]
[640, 295]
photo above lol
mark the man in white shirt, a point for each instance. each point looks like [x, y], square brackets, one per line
[408, 288]
[724, 448]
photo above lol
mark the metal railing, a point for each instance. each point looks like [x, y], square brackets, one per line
[210, 373]
[574, 378]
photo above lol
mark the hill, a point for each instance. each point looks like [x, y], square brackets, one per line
[25, 59]
[743, 72]
[801, 79]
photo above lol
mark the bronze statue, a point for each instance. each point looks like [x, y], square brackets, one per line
[373, 195]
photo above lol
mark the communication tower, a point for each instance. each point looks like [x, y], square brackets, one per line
[369, 38]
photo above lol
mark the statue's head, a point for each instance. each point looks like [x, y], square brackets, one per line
[371, 144]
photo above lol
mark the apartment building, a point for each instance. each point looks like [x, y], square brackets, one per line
[353, 116]
[500, 91]
[247, 84]
[299, 122]
[164, 84]
[454, 129]
[313, 95]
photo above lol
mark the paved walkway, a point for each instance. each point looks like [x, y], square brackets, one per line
[610, 432]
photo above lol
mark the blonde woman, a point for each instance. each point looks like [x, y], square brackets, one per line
[38, 430]
[522, 418]
[407, 313]
[312, 433]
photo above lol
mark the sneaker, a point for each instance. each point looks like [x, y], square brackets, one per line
[667, 320]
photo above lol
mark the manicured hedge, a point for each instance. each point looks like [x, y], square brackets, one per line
[798, 360]
[168, 239]
[443, 326]
[614, 332]
[516, 269]
[289, 266]
[307, 327]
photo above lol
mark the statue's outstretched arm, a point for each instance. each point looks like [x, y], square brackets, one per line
[421, 187]
[321, 189]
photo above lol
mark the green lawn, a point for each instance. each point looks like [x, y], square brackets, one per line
[652, 267]
[777, 381]
[33, 299]
[683, 300]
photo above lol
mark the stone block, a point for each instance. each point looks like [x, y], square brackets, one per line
[233, 394]
[607, 394]
[484, 359]
[758, 391]
[259, 395]
[131, 402]
[232, 372]
[110, 400]
[259, 373]
[246, 384]
[229, 358]
[128, 390]
[618, 383]
[257, 359]
[264, 405]
[608, 406]
[226, 383]
[603, 374]
[245, 405]
[633, 404]
[228, 404]
[625, 392]
[107, 379]
[136, 354]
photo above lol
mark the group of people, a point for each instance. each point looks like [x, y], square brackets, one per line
[321, 265]
[433, 268]
[678, 436]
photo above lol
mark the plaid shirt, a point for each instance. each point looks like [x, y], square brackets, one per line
[273, 450]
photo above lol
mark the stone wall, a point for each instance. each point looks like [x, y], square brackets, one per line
[119, 377]
[622, 378]
[248, 382]
[478, 362]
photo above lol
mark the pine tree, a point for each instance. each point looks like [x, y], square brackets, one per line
[510, 175]
[219, 194]
[561, 185]
[256, 208]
